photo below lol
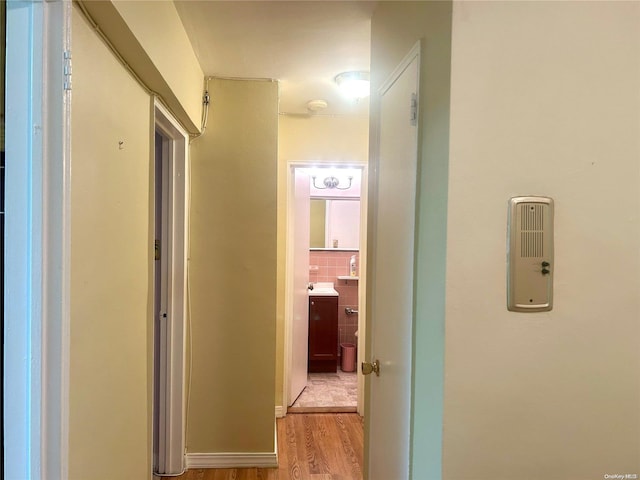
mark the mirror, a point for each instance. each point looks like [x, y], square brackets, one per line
[335, 223]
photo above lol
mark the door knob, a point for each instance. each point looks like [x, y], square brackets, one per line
[367, 368]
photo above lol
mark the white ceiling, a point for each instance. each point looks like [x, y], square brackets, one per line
[303, 44]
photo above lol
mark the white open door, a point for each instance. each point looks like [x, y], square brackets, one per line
[299, 244]
[392, 276]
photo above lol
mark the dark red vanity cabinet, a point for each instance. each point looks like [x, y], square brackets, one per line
[323, 334]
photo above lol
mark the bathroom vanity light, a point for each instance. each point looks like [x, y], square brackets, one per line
[354, 84]
[331, 182]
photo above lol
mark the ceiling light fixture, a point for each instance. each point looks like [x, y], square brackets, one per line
[332, 182]
[354, 84]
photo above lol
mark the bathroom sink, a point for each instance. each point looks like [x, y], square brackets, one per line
[323, 289]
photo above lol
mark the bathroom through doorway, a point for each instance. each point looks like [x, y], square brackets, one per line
[325, 288]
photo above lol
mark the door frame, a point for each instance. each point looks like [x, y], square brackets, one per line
[37, 247]
[288, 294]
[171, 377]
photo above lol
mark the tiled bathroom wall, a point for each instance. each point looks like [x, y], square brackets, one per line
[326, 266]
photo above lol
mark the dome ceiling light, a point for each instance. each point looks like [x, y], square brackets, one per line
[354, 84]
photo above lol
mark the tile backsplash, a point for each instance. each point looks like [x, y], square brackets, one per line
[326, 266]
[330, 265]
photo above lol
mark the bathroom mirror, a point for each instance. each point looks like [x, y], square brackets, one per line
[335, 223]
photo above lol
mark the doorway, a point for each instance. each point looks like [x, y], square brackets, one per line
[170, 293]
[325, 255]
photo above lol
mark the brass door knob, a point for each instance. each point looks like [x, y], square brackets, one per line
[367, 368]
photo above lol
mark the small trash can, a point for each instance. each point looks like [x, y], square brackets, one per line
[348, 353]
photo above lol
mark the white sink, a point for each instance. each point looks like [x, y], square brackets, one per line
[323, 289]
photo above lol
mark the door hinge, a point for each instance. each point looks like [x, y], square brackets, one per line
[67, 70]
[157, 250]
[413, 115]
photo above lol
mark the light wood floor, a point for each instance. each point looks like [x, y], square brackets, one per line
[316, 446]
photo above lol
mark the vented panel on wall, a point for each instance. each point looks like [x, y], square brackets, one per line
[530, 254]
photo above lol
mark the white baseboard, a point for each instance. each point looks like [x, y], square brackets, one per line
[232, 460]
[280, 411]
[235, 460]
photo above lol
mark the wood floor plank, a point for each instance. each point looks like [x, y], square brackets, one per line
[355, 427]
[293, 465]
[352, 448]
[349, 447]
[320, 446]
[313, 454]
[327, 438]
[301, 445]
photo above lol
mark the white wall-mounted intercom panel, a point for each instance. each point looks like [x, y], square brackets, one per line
[530, 254]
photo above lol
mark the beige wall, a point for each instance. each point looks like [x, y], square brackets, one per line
[109, 384]
[544, 100]
[395, 28]
[233, 271]
[159, 30]
[323, 139]
[313, 140]
[111, 219]
[151, 38]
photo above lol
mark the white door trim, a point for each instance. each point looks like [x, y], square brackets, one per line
[172, 410]
[37, 241]
[400, 68]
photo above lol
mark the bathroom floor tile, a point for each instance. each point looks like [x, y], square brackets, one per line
[338, 389]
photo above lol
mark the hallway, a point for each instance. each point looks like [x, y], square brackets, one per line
[514, 99]
[310, 446]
